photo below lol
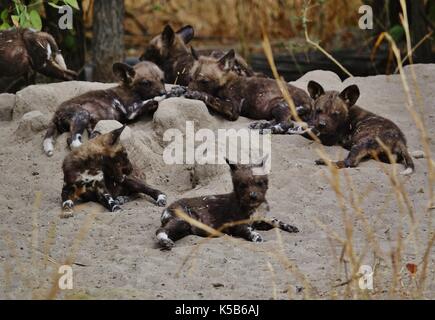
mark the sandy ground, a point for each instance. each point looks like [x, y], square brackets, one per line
[115, 255]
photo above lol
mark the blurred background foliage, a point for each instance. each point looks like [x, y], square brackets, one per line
[235, 24]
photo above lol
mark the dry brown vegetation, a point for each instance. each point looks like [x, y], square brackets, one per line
[230, 21]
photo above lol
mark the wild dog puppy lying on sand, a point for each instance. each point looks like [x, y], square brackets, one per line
[134, 97]
[220, 210]
[230, 95]
[337, 120]
[169, 51]
[24, 50]
[100, 171]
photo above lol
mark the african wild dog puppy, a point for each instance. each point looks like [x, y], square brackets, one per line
[128, 101]
[230, 95]
[337, 120]
[169, 51]
[248, 195]
[101, 171]
[24, 50]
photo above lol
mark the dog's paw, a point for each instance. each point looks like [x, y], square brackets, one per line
[177, 91]
[320, 162]
[407, 172]
[165, 243]
[259, 125]
[116, 208]
[67, 205]
[298, 130]
[122, 200]
[161, 200]
[66, 214]
[194, 95]
[256, 237]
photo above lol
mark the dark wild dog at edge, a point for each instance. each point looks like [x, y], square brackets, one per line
[170, 52]
[100, 171]
[124, 103]
[336, 120]
[223, 211]
[23, 51]
[230, 95]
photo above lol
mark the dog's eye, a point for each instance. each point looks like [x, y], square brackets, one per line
[203, 81]
[260, 183]
[243, 185]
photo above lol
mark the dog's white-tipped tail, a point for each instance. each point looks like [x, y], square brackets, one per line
[48, 146]
[60, 61]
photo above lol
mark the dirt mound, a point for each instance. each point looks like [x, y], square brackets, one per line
[116, 257]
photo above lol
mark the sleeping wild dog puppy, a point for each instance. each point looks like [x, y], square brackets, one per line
[170, 52]
[337, 120]
[129, 100]
[100, 171]
[218, 211]
[230, 95]
[23, 50]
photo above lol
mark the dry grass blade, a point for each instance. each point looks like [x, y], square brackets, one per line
[307, 7]
[82, 233]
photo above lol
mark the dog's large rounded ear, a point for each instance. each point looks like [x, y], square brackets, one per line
[115, 135]
[315, 90]
[168, 35]
[124, 72]
[350, 95]
[233, 166]
[227, 61]
[186, 33]
[195, 54]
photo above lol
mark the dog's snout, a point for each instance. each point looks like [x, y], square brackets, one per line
[253, 195]
[322, 124]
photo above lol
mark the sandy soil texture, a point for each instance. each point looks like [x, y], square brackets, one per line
[114, 255]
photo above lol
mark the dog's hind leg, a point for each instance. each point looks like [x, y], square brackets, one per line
[79, 124]
[172, 230]
[402, 152]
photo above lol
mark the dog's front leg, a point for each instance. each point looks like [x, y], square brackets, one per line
[268, 224]
[68, 198]
[225, 108]
[133, 186]
[105, 198]
[245, 231]
[356, 154]
[140, 108]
